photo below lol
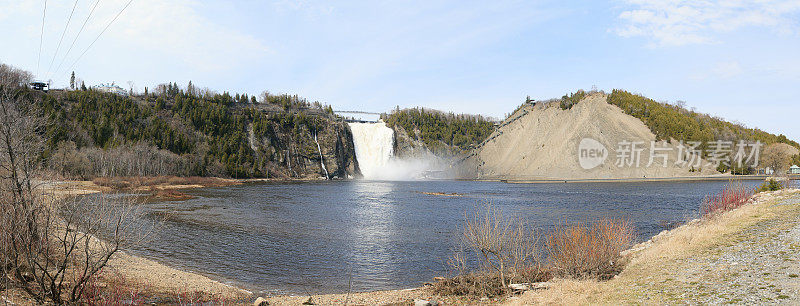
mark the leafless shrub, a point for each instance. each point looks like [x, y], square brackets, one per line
[138, 160]
[733, 195]
[504, 245]
[589, 250]
[506, 248]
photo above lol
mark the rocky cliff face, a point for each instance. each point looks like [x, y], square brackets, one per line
[408, 147]
[296, 153]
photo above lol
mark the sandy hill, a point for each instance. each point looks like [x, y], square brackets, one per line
[541, 141]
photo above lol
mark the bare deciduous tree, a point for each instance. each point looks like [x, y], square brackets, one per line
[11, 76]
[49, 246]
[777, 156]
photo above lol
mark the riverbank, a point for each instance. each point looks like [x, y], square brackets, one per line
[152, 277]
[748, 255]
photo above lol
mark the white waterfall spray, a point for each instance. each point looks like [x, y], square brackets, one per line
[374, 146]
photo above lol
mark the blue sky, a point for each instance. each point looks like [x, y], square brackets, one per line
[734, 59]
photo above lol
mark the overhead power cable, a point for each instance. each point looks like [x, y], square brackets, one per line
[41, 37]
[61, 62]
[62, 37]
[98, 35]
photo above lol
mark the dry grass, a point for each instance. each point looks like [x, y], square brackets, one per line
[589, 250]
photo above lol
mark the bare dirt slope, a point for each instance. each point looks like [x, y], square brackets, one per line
[541, 142]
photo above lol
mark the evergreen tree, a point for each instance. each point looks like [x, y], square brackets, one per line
[190, 88]
[72, 81]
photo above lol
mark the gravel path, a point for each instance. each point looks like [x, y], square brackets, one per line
[747, 256]
[759, 265]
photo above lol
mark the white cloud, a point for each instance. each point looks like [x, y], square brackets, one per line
[720, 70]
[177, 30]
[309, 7]
[728, 69]
[680, 22]
[175, 27]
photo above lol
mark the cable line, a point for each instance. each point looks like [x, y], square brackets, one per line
[101, 33]
[62, 37]
[76, 38]
[41, 36]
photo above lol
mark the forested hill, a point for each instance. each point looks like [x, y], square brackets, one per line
[184, 132]
[441, 133]
[675, 121]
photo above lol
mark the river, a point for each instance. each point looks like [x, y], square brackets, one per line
[335, 236]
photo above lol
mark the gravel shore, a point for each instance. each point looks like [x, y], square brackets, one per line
[750, 255]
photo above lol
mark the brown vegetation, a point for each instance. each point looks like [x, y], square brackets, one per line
[589, 250]
[778, 157]
[172, 195]
[154, 183]
[139, 159]
[11, 76]
[509, 252]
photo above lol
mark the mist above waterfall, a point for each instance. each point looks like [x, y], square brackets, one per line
[374, 146]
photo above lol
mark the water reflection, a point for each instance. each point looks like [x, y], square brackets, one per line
[372, 232]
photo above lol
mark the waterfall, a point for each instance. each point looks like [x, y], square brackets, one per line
[374, 147]
[321, 159]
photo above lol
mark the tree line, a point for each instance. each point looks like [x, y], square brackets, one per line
[175, 130]
[438, 129]
[674, 121]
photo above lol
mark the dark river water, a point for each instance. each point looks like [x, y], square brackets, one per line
[316, 237]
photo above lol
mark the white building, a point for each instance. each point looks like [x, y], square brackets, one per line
[112, 88]
[794, 169]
